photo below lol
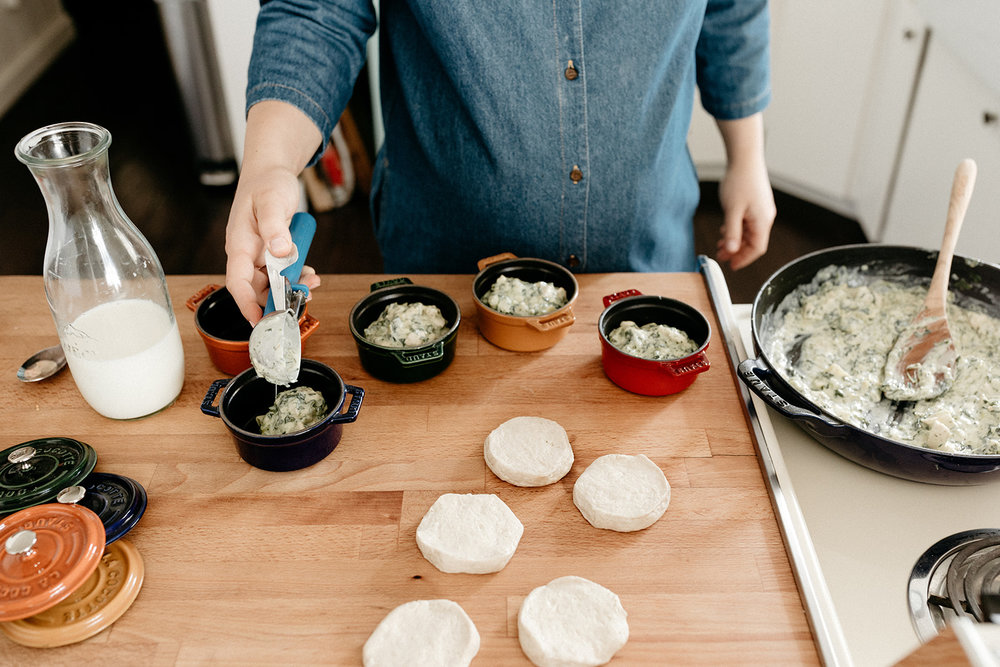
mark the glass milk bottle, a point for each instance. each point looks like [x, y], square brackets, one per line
[103, 282]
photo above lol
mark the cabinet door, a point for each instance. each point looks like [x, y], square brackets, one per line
[954, 117]
[893, 85]
[822, 57]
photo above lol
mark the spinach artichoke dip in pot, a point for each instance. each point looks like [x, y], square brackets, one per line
[405, 332]
[652, 340]
[286, 430]
[652, 345]
[523, 304]
[832, 343]
[294, 410]
[823, 326]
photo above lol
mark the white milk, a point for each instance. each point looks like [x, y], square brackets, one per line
[126, 357]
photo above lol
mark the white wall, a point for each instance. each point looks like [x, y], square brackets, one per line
[233, 26]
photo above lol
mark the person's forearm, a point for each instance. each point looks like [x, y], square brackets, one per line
[279, 135]
[745, 192]
[744, 140]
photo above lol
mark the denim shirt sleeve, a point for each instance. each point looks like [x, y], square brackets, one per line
[733, 58]
[309, 53]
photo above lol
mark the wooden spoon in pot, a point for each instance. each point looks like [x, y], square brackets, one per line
[921, 364]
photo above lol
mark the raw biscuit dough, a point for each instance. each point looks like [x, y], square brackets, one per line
[470, 533]
[622, 492]
[423, 633]
[528, 451]
[571, 622]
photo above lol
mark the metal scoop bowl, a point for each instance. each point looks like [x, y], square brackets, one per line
[275, 342]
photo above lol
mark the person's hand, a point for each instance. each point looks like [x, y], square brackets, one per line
[262, 208]
[749, 211]
[745, 193]
[279, 141]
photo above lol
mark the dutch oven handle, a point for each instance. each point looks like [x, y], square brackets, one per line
[563, 319]
[698, 364]
[755, 375]
[391, 282]
[197, 297]
[357, 395]
[207, 404]
[611, 298]
[308, 325]
[493, 259]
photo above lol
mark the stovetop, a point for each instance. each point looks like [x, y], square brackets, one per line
[855, 535]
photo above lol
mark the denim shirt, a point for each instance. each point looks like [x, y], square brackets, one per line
[547, 129]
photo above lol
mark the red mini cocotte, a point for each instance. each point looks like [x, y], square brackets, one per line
[647, 376]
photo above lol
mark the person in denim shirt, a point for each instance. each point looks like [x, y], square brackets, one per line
[547, 129]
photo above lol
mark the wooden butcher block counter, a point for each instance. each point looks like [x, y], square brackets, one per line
[244, 566]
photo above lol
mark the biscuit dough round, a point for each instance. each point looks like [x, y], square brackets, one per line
[528, 451]
[423, 633]
[470, 533]
[622, 492]
[571, 622]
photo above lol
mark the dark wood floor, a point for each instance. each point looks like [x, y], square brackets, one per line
[117, 75]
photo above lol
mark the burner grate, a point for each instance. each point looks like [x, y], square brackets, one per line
[959, 576]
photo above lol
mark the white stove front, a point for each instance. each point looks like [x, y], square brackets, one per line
[866, 531]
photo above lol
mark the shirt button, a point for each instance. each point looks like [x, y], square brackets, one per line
[571, 71]
[576, 175]
[573, 261]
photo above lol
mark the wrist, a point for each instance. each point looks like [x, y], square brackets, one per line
[279, 136]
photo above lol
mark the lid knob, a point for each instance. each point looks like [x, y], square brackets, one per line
[71, 494]
[20, 542]
[21, 454]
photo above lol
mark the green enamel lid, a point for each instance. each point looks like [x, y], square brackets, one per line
[34, 472]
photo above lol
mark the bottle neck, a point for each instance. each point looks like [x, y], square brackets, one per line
[77, 194]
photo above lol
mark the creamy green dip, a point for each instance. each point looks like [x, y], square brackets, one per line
[830, 340]
[659, 342]
[407, 325]
[293, 410]
[513, 296]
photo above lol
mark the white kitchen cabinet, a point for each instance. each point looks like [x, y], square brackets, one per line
[822, 61]
[956, 114]
[842, 77]
[904, 39]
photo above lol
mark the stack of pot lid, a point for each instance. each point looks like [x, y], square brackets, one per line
[119, 501]
[49, 469]
[59, 581]
[65, 572]
[33, 472]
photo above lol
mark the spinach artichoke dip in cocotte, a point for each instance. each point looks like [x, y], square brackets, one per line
[830, 340]
[293, 410]
[407, 325]
[658, 342]
[513, 296]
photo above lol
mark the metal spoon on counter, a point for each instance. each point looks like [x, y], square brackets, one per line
[42, 364]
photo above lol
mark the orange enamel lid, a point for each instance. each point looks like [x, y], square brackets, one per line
[46, 552]
[100, 601]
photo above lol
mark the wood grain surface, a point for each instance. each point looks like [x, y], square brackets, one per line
[245, 566]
